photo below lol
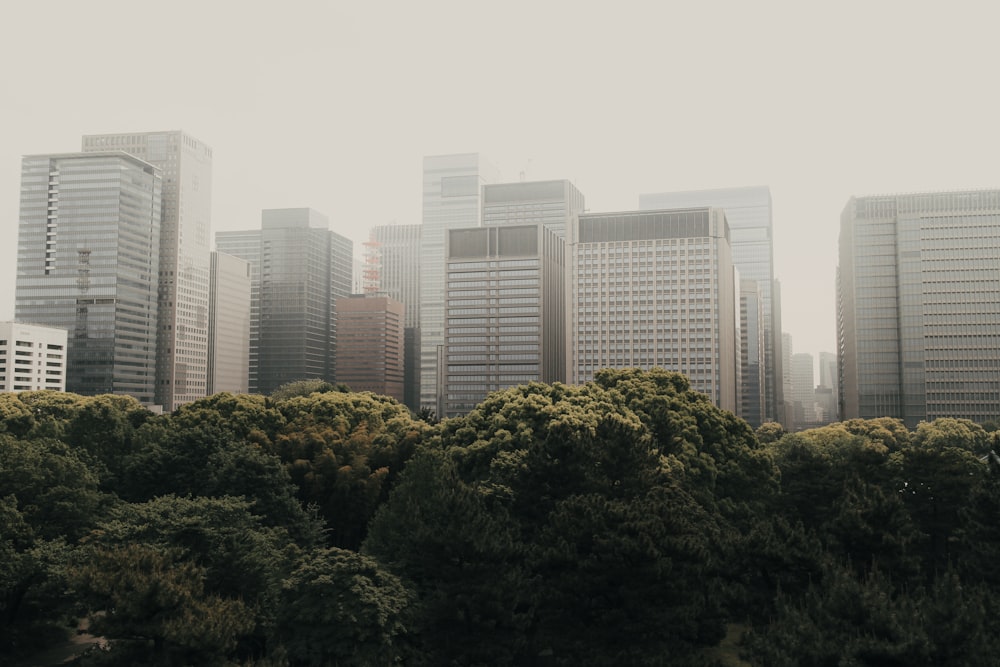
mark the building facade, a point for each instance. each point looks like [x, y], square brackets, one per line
[370, 344]
[803, 391]
[655, 288]
[748, 212]
[919, 306]
[550, 203]
[452, 194]
[299, 268]
[398, 276]
[752, 355]
[87, 262]
[32, 357]
[185, 242]
[229, 325]
[505, 312]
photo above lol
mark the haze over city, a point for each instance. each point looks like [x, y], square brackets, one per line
[333, 105]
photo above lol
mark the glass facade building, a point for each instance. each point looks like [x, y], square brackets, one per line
[452, 193]
[748, 212]
[505, 312]
[229, 325]
[751, 354]
[299, 268]
[655, 289]
[87, 262]
[919, 306]
[185, 243]
[398, 249]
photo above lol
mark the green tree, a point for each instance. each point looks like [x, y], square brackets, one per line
[339, 607]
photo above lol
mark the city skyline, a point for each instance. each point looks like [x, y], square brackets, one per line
[793, 107]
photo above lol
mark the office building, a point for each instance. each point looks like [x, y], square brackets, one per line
[550, 203]
[451, 200]
[752, 394]
[370, 344]
[919, 306]
[803, 391]
[87, 260]
[655, 288]
[828, 381]
[229, 325]
[506, 314]
[32, 357]
[185, 164]
[299, 268]
[397, 267]
[748, 212]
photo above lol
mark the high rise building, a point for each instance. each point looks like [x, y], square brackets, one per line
[370, 344]
[919, 306]
[299, 268]
[748, 212]
[803, 391]
[451, 200]
[87, 261]
[397, 248]
[32, 357]
[506, 313]
[551, 203]
[655, 288]
[827, 390]
[786, 379]
[753, 394]
[185, 238]
[229, 325]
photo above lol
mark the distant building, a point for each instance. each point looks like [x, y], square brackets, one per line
[550, 203]
[87, 262]
[752, 354]
[655, 288]
[786, 380]
[398, 267]
[506, 313]
[828, 380]
[919, 306]
[452, 200]
[803, 391]
[32, 357]
[185, 238]
[229, 325]
[370, 344]
[748, 213]
[300, 269]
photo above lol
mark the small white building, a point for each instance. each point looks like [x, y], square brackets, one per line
[32, 357]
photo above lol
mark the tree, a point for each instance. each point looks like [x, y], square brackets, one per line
[339, 607]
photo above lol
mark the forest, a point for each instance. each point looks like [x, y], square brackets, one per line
[627, 521]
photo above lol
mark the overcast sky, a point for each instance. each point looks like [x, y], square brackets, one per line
[332, 105]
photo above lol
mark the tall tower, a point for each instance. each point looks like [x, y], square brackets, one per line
[655, 288]
[451, 200]
[229, 325]
[919, 306]
[748, 212]
[506, 321]
[87, 259]
[185, 242]
[299, 269]
[399, 278]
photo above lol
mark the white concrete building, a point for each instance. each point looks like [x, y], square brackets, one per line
[32, 357]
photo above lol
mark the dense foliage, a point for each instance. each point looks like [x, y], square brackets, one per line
[626, 521]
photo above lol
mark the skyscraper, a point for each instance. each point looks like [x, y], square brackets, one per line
[398, 269]
[370, 344]
[506, 314]
[752, 406]
[551, 203]
[803, 391]
[229, 325]
[919, 306]
[302, 268]
[185, 238]
[655, 288]
[748, 212]
[451, 200]
[87, 260]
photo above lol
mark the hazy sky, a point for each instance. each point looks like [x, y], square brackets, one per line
[332, 105]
